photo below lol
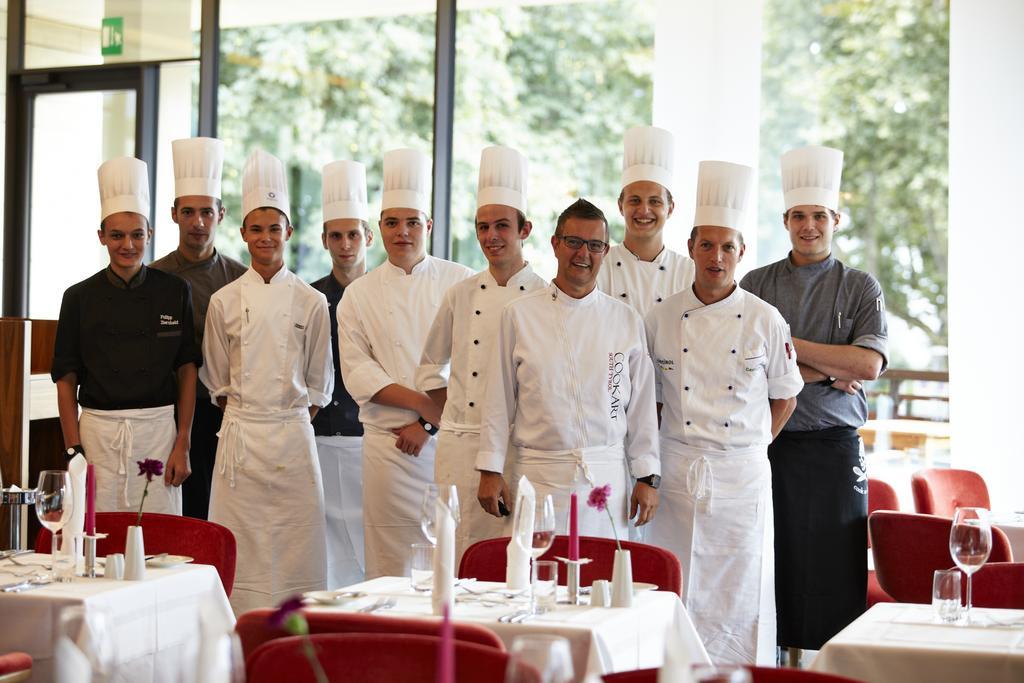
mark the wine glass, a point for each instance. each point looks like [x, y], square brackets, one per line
[54, 504]
[428, 510]
[538, 658]
[85, 639]
[970, 542]
[543, 527]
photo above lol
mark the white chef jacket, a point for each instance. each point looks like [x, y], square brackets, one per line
[242, 363]
[571, 374]
[643, 284]
[716, 367]
[383, 320]
[461, 341]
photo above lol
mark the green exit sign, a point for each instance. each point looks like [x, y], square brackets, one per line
[112, 36]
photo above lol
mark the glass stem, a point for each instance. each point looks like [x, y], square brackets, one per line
[969, 596]
[54, 544]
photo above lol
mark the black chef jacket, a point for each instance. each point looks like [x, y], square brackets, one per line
[340, 417]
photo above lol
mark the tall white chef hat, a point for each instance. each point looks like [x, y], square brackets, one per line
[124, 186]
[344, 191]
[723, 189]
[198, 163]
[502, 178]
[406, 180]
[811, 175]
[264, 185]
[647, 154]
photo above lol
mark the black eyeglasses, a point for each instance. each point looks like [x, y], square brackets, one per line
[574, 243]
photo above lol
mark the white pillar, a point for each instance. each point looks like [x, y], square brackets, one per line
[707, 91]
[986, 174]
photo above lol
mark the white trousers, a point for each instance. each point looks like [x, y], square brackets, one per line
[393, 488]
[114, 441]
[715, 514]
[267, 491]
[341, 466]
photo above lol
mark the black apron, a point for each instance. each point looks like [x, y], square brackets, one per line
[819, 490]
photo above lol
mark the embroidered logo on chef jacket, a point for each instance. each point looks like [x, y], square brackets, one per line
[166, 319]
[616, 365]
[666, 364]
[755, 359]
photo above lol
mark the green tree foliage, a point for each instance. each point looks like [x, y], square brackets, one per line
[870, 77]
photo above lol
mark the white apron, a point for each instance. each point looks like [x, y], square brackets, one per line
[341, 464]
[393, 488]
[454, 463]
[267, 491]
[715, 514]
[113, 441]
[560, 473]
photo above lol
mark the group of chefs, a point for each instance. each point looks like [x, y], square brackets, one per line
[723, 416]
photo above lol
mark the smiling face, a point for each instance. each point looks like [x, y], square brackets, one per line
[499, 235]
[715, 252]
[645, 206]
[197, 217]
[578, 268]
[810, 228]
[404, 233]
[347, 239]
[265, 231]
[125, 235]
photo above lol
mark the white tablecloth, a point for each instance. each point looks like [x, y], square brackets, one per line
[156, 621]
[1012, 525]
[900, 643]
[603, 640]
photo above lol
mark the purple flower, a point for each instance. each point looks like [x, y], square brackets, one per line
[151, 468]
[288, 617]
[599, 497]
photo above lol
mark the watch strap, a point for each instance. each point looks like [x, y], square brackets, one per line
[428, 427]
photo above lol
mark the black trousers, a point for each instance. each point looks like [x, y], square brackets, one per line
[195, 492]
[819, 492]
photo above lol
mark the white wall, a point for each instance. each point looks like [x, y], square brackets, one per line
[986, 177]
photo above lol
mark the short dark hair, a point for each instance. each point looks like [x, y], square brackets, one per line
[832, 214]
[220, 204]
[693, 232]
[365, 225]
[287, 220]
[583, 210]
[668, 193]
[103, 223]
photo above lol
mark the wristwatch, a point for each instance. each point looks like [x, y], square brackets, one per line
[74, 450]
[427, 427]
[652, 480]
[830, 381]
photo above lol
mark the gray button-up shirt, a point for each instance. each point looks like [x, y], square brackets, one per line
[827, 303]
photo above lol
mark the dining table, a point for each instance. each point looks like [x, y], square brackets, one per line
[157, 624]
[602, 639]
[901, 643]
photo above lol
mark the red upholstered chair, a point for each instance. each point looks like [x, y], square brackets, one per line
[372, 657]
[759, 674]
[254, 630]
[997, 584]
[881, 496]
[15, 666]
[206, 542]
[941, 491]
[908, 548]
[485, 560]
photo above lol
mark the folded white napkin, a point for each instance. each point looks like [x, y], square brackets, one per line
[443, 591]
[677, 665]
[75, 527]
[517, 569]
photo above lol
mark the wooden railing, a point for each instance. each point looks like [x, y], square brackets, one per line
[894, 380]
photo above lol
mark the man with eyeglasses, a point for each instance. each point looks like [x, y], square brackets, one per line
[837, 315]
[642, 271]
[457, 353]
[383, 321]
[726, 377]
[572, 388]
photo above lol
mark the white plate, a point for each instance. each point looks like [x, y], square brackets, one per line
[167, 561]
[640, 587]
[333, 597]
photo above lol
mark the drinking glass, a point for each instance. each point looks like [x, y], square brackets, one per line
[970, 542]
[946, 595]
[544, 586]
[428, 511]
[421, 566]
[537, 658]
[543, 527]
[54, 504]
[721, 673]
[85, 641]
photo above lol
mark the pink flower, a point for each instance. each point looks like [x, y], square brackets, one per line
[283, 617]
[599, 497]
[151, 468]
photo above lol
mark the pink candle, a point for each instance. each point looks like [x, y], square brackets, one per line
[574, 532]
[90, 500]
[446, 658]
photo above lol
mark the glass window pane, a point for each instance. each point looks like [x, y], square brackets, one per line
[330, 81]
[62, 33]
[65, 212]
[560, 82]
[3, 119]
